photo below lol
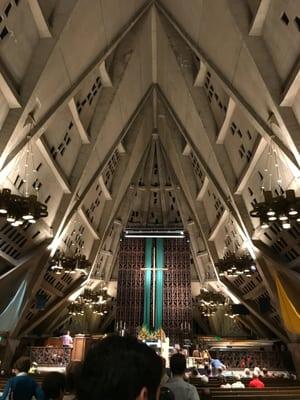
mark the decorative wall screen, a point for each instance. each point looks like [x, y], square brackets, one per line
[177, 298]
[177, 305]
[130, 294]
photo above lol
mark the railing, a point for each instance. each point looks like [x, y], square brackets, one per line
[240, 359]
[50, 356]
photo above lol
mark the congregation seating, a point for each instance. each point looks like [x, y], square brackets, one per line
[276, 388]
[214, 382]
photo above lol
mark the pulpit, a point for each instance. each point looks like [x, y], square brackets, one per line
[81, 344]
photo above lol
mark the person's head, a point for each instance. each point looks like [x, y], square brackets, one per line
[120, 367]
[236, 378]
[73, 372]
[247, 371]
[22, 365]
[255, 374]
[68, 333]
[194, 371]
[265, 371]
[178, 364]
[54, 385]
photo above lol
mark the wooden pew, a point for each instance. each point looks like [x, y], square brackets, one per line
[250, 393]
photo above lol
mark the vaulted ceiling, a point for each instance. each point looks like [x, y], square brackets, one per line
[146, 113]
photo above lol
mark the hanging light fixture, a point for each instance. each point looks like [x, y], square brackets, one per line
[233, 265]
[284, 208]
[22, 209]
[60, 263]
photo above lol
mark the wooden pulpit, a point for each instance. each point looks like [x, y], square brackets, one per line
[81, 344]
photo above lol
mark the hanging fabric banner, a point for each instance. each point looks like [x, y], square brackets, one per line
[289, 313]
[159, 284]
[147, 285]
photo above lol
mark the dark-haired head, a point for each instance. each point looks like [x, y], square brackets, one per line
[178, 364]
[54, 385]
[120, 368]
[22, 364]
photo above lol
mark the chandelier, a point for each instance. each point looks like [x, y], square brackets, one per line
[285, 209]
[89, 301]
[213, 299]
[285, 206]
[93, 297]
[234, 265]
[76, 309]
[61, 263]
[23, 209]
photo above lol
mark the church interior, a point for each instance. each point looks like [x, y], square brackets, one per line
[150, 179]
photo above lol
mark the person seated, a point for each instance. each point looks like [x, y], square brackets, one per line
[258, 371]
[182, 390]
[203, 380]
[120, 368]
[237, 383]
[194, 373]
[256, 382]
[53, 386]
[246, 373]
[266, 373]
[21, 386]
[224, 383]
[293, 376]
[207, 371]
[216, 364]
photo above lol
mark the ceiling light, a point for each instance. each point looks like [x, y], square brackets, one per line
[265, 225]
[293, 211]
[286, 225]
[10, 218]
[272, 218]
[28, 216]
[286, 207]
[283, 217]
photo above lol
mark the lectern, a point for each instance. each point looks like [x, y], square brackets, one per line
[81, 344]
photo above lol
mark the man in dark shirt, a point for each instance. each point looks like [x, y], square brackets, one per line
[182, 390]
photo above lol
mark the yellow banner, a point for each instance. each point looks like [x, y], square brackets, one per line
[289, 313]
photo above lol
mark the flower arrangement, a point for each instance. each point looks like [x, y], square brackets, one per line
[145, 334]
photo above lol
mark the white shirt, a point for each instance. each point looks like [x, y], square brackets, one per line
[238, 385]
[226, 386]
